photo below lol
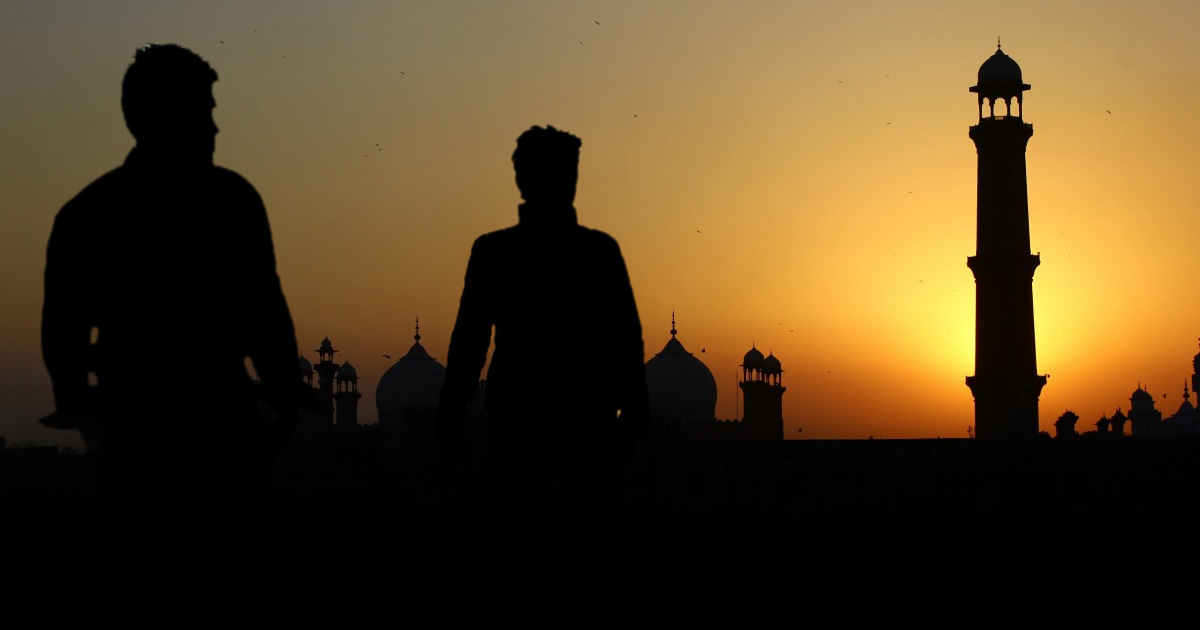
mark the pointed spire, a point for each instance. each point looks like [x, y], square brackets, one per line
[1186, 396]
[673, 331]
[417, 336]
[997, 42]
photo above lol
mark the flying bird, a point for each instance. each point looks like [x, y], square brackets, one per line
[597, 22]
[387, 356]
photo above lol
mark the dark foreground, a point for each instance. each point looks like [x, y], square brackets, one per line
[826, 480]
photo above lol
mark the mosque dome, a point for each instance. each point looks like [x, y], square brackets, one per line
[999, 69]
[413, 381]
[347, 372]
[306, 366]
[680, 385]
[771, 365]
[1140, 396]
[754, 359]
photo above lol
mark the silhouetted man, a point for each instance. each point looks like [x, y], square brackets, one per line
[567, 380]
[160, 281]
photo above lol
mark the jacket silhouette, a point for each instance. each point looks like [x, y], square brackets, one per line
[566, 383]
[160, 280]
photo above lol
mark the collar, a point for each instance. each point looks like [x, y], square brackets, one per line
[139, 158]
[535, 215]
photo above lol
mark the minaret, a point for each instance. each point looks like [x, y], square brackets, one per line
[347, 396]
[1006, 385]
[762, 390]
[326, 373]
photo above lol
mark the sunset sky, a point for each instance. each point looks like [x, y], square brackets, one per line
[793, 175]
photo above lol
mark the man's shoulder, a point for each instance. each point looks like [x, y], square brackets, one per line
[576, 236]
[98, 193]
[233, 180]
[598, 239]
[497, 238]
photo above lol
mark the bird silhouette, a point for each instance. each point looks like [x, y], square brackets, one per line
[387, 356]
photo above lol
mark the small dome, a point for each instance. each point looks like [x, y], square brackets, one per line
[754, 359]
[771, 365]
[999, 68]
[306, 366]
[347, 372]
[1141, 395]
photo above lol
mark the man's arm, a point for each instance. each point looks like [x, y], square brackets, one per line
[67, 318]
[468, 352]
[271, 336]
[634, 397]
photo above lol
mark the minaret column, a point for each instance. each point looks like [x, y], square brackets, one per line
[1006, 385]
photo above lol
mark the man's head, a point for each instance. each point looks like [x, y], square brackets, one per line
[547, 164]
[167, 100]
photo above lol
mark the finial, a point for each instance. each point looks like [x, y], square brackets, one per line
[1185, 390]
[673, 331]
[417, 336]
[997, 42]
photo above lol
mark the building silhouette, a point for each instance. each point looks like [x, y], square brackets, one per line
[762, 393]
[683, 398]
[409, 388]
[346, 396]
[1144, 419]
[1147, 421]
[327, 378]
[682, 388]
[1006, 385]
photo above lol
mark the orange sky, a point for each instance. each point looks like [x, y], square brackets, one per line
[793, 175]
